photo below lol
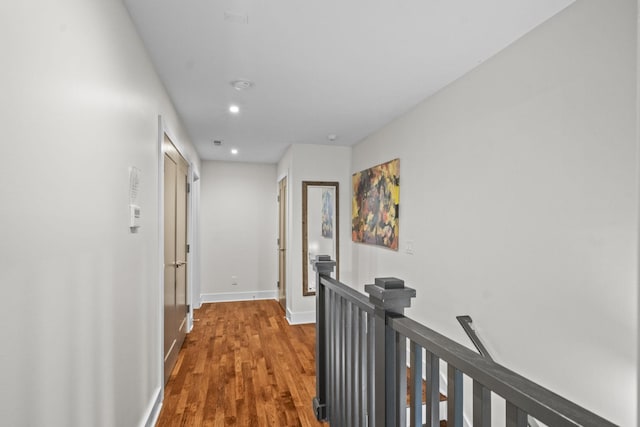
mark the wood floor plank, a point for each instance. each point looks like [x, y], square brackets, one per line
[243, 365]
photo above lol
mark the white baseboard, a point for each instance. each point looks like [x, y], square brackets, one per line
[301, 318]
[150, 416]
[238, 296]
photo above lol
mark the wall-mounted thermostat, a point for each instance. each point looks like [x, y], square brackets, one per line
[134, 217]
[134, 209]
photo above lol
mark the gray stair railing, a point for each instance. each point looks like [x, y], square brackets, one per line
[361, 366]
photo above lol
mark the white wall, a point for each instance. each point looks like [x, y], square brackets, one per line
[239, 217]
[80, 341]
[195, 253]
[306, 162]
[638, 142]
[519, 191]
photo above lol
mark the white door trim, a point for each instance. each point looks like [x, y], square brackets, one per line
[164, 128]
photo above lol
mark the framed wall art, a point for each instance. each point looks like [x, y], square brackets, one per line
[376, 205]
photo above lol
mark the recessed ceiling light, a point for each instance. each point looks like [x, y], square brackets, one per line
[241, 84]
[217, 142]
[332, 137]
[234, 109]
[234, 151]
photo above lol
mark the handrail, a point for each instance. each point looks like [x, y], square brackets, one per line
[545, 405]
[346, 292]
[467, 324]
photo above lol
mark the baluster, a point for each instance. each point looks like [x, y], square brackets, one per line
[355, 368]
[333, 409]
[481, 405]
[340, 370]
[371, 374]
[433, 389]
[344, 374]
[346, 410]
[516, 417]
[364, 378]
[349, 366]
[454, 397]
[416, 385]
[330, 350]
[390, 374]
[401, 380]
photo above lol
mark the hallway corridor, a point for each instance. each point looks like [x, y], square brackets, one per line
[242, 364]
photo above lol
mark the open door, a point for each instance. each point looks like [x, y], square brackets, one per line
[282, 243]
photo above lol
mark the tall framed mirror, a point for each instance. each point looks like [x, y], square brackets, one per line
[320, 230]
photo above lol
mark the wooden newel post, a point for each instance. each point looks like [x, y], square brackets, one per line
[390, 297]
[323, 266]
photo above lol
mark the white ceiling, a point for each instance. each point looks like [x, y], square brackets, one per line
[320, 67]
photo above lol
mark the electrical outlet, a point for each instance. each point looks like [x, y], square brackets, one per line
[234, 280]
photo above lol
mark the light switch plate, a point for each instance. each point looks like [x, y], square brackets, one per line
[409, 247]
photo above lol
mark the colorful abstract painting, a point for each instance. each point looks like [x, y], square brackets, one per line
[327, 213]
[376, 203]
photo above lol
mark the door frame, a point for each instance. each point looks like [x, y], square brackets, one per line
[192, 221]
[288, 221]
[283, 229]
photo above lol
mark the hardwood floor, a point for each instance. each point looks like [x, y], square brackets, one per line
[243, 365]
